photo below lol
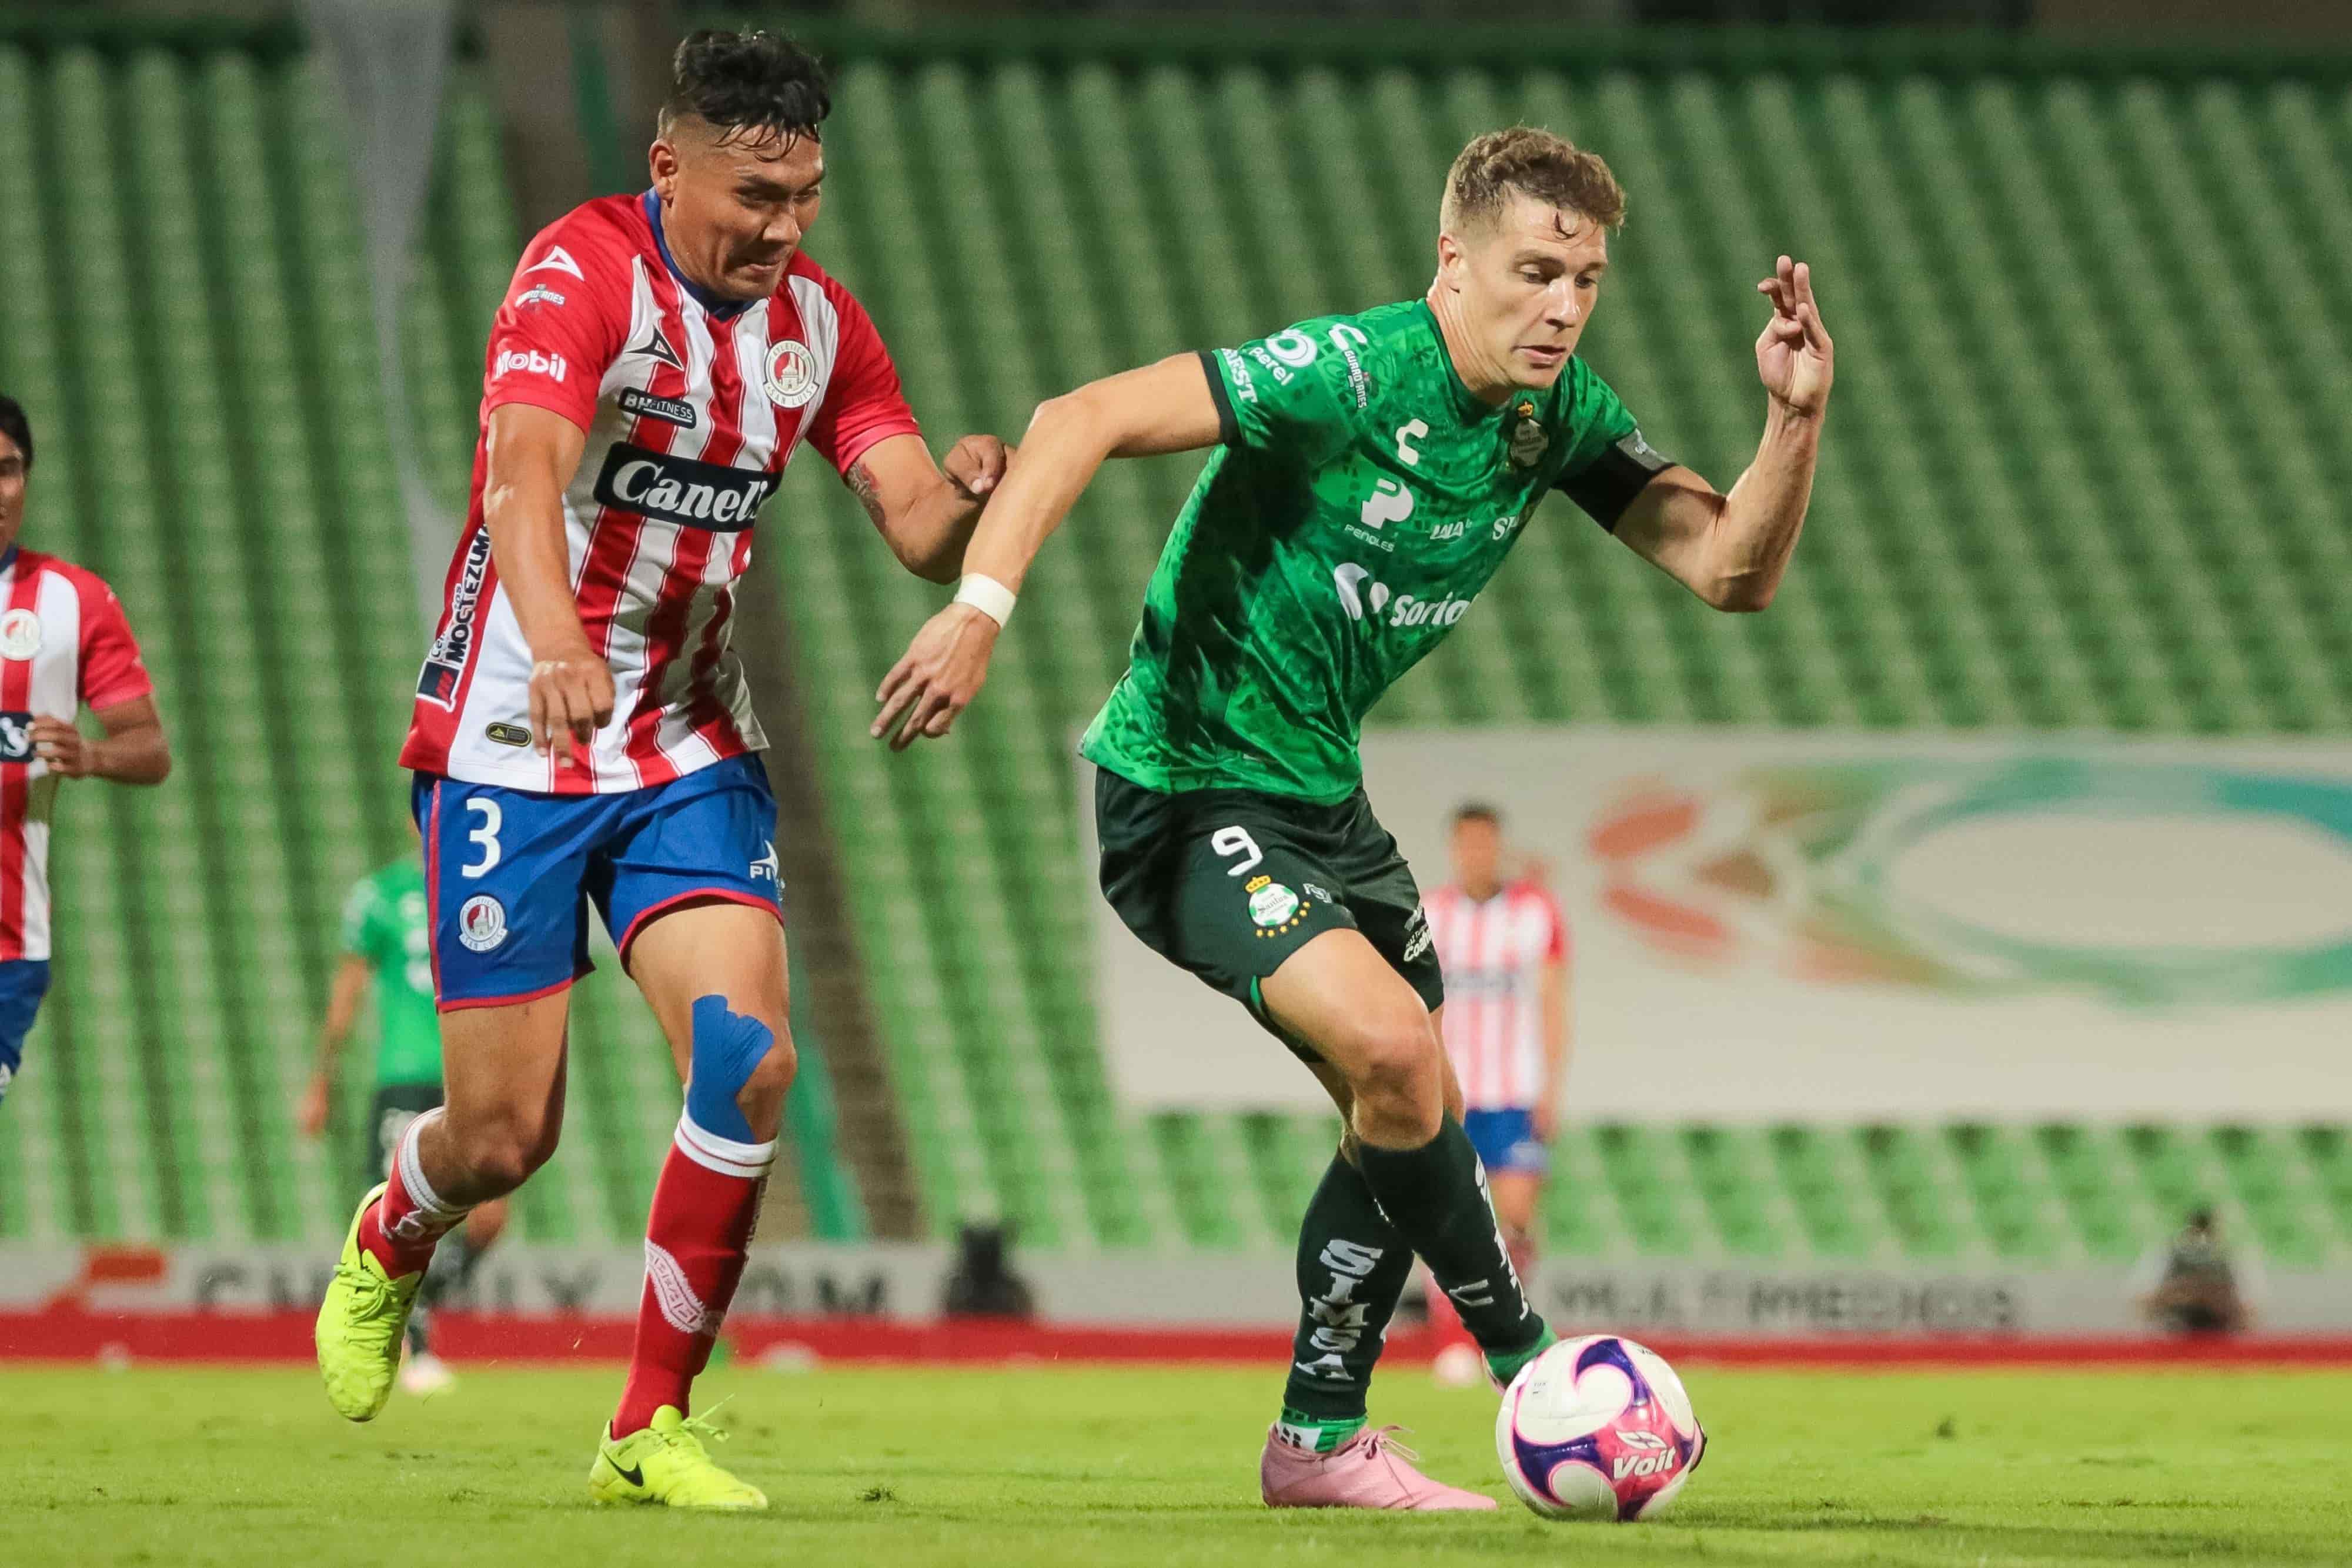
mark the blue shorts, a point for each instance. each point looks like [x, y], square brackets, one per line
[1505, 1140]
[23, 983]
[510, 874]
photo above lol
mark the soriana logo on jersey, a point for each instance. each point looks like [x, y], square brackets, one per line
[791, 381]
[681, 490]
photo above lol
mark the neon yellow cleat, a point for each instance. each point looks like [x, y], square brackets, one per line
[666, 1463]
[360, 1325]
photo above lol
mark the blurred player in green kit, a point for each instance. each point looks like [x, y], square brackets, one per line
[388, 945]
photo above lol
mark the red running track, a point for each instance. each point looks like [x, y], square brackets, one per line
[71, 1333]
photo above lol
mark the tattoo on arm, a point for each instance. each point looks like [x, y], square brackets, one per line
[861, 485]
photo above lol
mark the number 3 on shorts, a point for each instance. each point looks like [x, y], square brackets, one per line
[486, 835]
[1236, 841]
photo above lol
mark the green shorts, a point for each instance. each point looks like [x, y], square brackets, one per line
[1229, 882]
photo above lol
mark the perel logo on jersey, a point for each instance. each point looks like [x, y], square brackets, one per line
[16, 738]
[1365, 599]
[445, 662]
[682, 490]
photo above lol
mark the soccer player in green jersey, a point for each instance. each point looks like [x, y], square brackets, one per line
[388, 945]
[1370, 473]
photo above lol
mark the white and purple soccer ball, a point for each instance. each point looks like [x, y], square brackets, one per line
[1598, 1427]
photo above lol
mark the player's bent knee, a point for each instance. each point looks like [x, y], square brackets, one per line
[735, 1058]
[502, 1154]
[1398, 1083]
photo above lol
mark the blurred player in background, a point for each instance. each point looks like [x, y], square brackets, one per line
[388, 945]
[583, 735]
[1503, 948]
[64, 643]
[1371, 472]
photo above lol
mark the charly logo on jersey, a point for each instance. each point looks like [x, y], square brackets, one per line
[682, 490]
[1365, 598]
[790, 379]
[482, 923]
[20, 634]
[16, 738]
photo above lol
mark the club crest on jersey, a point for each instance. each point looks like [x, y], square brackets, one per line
[482, 923]
[1528, 441]
[16, 738]
[791, 381]
[20, 634]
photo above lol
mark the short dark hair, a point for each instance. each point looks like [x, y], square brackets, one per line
[17, 427]
[738, 83]
[1477, 812]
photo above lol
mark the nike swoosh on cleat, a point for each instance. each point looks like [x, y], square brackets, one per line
[634, 1475]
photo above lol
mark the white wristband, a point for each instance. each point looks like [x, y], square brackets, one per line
[987, 595]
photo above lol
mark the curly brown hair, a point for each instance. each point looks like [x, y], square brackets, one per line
[1535, 162]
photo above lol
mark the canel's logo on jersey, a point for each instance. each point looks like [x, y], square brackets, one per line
[681, 490]
[1365, 599]
[792, 375]
[1390, 502]
[532, 362]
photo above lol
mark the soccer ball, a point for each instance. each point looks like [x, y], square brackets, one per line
[1598, 1427]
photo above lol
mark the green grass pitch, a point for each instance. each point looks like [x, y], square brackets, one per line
[1048, 1466]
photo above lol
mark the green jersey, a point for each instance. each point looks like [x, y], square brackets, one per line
[1360, 500]
[384, 922]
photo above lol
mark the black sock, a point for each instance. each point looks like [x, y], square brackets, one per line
[1352, 1268]
[453, 1264]
[1436, 1198]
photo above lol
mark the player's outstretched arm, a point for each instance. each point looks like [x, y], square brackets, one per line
[1165, 407]
[532, 455]
[1731, 550]
[924, 511]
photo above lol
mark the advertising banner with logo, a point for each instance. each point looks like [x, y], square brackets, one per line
[1771, 926]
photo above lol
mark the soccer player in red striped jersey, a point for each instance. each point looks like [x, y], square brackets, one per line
[1503, 948]
[583, 735]
[64, 644]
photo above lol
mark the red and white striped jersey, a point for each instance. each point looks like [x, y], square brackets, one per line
[692, 407]
[63, 642]
[1493, 953]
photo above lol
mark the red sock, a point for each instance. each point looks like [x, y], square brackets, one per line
[705, 1207]
[402, 1227]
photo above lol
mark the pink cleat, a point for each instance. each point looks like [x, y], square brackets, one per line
[1370, 1469]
